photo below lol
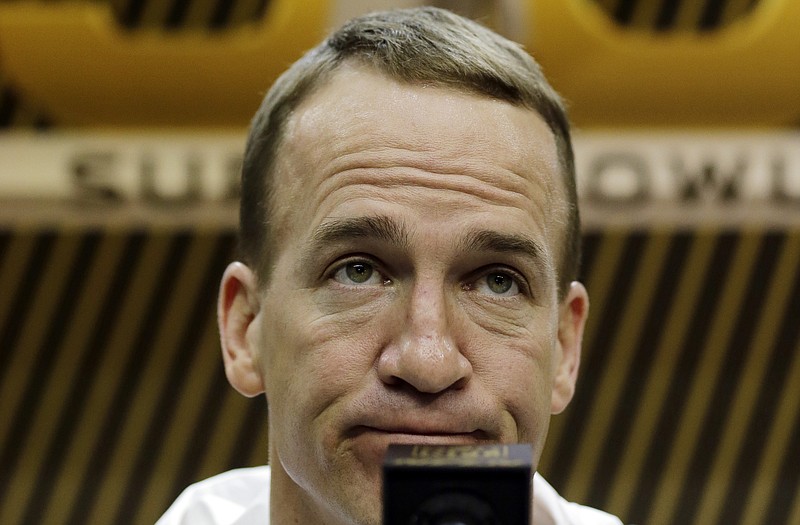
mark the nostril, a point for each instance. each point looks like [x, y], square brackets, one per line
[460, 384]
[427, 376]
[425, 357]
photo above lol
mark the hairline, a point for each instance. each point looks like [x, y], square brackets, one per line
[316, 74]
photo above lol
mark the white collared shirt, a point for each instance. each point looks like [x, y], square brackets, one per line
[241, 497]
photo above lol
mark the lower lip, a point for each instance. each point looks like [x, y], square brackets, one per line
[370, 444]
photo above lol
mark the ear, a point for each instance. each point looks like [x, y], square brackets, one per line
[237, 315]
[572, 316]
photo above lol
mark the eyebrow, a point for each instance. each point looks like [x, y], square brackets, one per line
[378, 227]
[493, 241]
[390, 231]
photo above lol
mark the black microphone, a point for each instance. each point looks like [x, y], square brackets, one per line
[457, 485]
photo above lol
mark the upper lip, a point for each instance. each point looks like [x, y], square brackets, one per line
[444, 426]
[444, 417]
[431, 437]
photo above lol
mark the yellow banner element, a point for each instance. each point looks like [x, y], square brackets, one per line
[77, 63]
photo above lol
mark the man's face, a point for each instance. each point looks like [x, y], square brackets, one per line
[414, 293]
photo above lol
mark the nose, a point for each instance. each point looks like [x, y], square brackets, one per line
[425, 354]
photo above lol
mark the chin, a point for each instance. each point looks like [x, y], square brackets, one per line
[360, 503]
[350, 489]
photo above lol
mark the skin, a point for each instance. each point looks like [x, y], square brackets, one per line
[414, 295]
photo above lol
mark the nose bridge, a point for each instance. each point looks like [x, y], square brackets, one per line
[428, 316]
[427, 355]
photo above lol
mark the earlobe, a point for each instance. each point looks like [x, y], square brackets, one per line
[237, 316]
[573, 312]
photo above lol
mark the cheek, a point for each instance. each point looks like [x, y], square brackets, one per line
[517, 367]
[315, 357]
[524, 384]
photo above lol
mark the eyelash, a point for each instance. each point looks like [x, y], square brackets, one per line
[470, 284]
[341, 264]
[482, 273]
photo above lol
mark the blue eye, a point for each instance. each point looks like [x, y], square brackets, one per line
[357, 272]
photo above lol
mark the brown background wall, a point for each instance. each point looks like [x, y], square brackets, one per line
[113, 398]
[112, 395]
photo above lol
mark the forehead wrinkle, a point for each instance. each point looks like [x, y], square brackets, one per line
[486, 185]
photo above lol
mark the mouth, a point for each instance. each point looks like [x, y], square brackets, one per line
[423, 433]
[370, 443]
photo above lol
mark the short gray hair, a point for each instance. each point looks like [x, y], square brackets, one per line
[425, 45]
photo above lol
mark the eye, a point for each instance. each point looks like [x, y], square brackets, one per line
[358, 272]
[498, 283]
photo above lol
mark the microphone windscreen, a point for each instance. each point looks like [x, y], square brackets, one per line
[457, 485]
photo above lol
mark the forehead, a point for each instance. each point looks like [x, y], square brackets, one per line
[358, 103]
[361, 119]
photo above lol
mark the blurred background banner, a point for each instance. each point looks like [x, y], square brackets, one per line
[122, 127]
[735, 176]
[204, 62]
